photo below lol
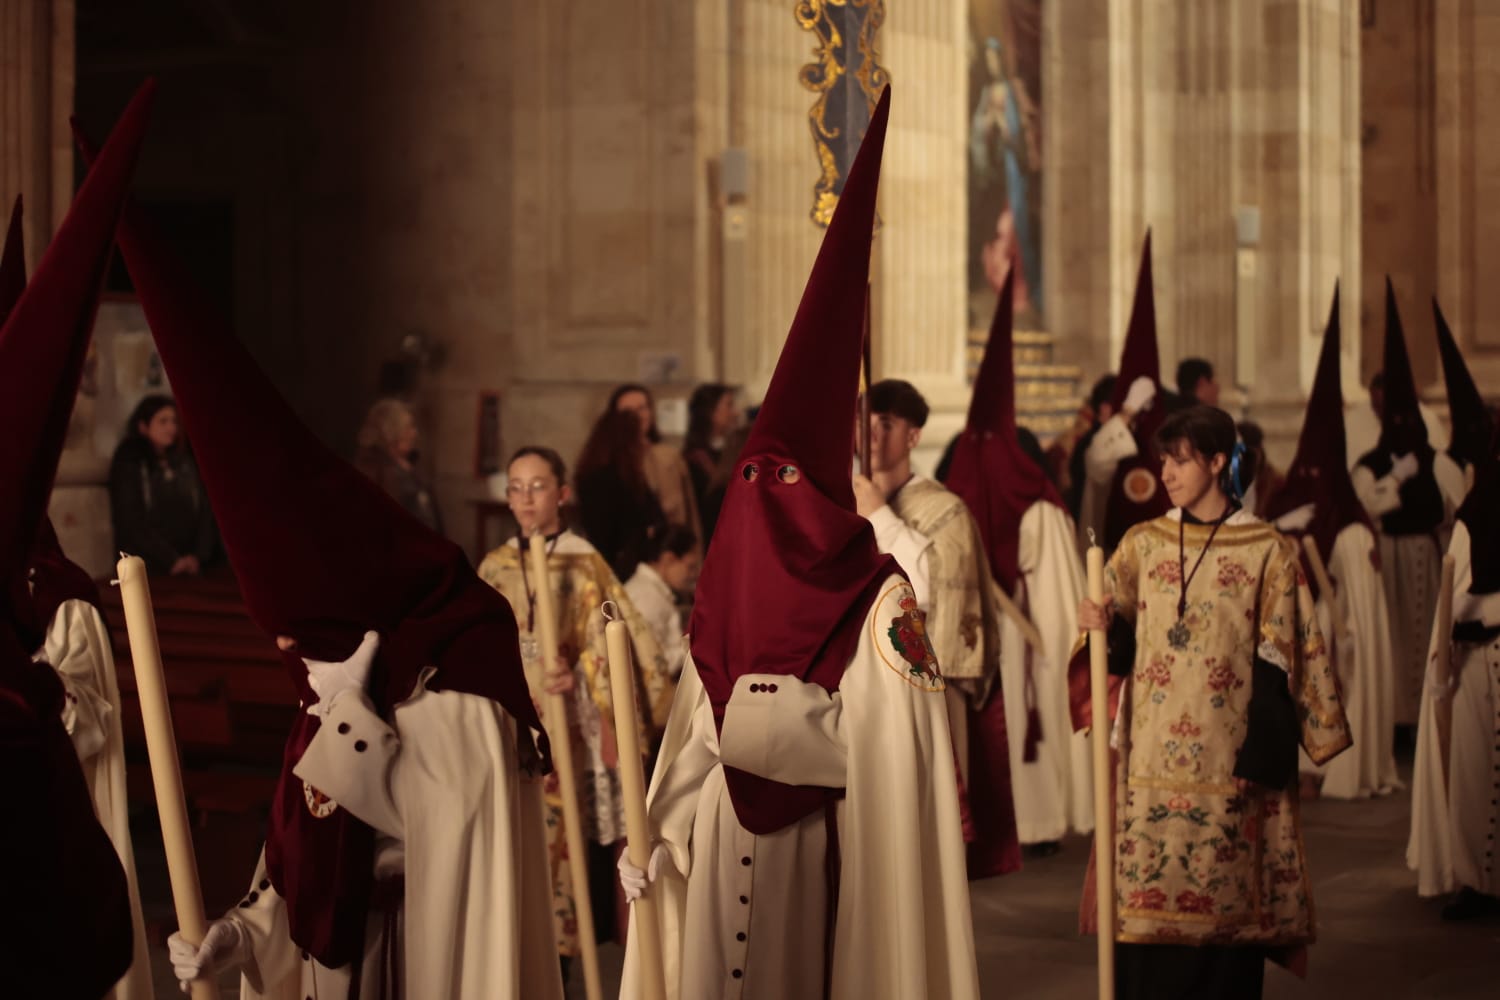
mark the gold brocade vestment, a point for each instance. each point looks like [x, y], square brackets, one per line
[581, 583]
[1198, 861]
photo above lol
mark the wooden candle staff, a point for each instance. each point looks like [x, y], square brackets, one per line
[1104, 827]
[633, 786]
[556, 710]
[161, 747]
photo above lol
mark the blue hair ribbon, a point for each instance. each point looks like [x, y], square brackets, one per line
[1235, 460]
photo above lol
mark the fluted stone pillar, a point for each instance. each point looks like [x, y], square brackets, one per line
[1211, 108]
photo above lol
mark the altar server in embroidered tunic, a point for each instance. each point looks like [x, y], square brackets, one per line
[405, 850]
[1318, 500]
[1214, 629]
[1030, 541]
[1120, 465]
[1454, 813]
[581, 582]
[809, 737]
[1412, 491]
[70, 927]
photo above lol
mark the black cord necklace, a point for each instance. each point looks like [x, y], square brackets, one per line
[1178, 636]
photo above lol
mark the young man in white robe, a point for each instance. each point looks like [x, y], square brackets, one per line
[405, 853]
[1030, 542]
[805, 798]
[931, 534]
[1412, 491]
[71, 925]
[1318, 501]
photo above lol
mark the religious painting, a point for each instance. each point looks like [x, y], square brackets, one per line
[1005, 159]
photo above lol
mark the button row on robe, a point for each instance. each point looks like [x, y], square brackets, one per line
[763, 688]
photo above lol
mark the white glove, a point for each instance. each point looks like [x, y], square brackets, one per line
[329, 679]
[1141, 395]
[1403, 467]
[1298, 519]
[634, 881]
[225, 946]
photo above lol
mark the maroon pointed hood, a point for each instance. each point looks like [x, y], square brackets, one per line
[12, 264]
[47, 577]
[1402, 427]
[1472, 427]
[322, 554]
[994, 476]
[789, 542]
[1136, 493]
[43, 343]
[1403, 430]
[1319, 473]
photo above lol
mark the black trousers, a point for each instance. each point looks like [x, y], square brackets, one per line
[1187, 972]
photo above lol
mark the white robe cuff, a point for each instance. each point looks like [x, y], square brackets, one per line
[785, 729]
[350, 760]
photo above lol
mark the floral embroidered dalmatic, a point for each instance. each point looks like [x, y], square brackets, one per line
[581, 582]
[1197, 861]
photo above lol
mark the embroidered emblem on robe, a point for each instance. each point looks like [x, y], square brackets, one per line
[320, 805]
[1139, 485]
[908, 635]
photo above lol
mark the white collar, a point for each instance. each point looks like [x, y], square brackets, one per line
[649, 575]
[1239, 519]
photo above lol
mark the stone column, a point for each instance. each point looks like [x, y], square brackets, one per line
[1210, 108]
[36, 77]
[1467, 114]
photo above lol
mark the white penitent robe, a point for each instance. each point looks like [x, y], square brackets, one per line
[1112, 445]
[1453, 824]
[1054, 793]
[1363, 659]
[444, 780]
[1410, 567]
[78, 648]
[277, 969]
[744, 917]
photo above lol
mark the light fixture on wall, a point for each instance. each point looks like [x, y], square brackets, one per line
[1246, 286]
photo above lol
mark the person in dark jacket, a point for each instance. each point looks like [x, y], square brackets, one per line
[618, 511]
[156, 500]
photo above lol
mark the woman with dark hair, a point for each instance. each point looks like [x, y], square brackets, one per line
[158, 505]
[580, 583]
[617, 509]
[718, 483]
[662, 465]
[711, 416]
[1213, 628]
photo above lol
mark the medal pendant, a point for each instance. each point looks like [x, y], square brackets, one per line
[1178, 635]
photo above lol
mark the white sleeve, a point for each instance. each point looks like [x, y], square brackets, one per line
[1450, 480]
[786, 730]
[895, 537]
[352, 760]
[1379, 496]
[689, 751]
[261, 914]
[71, 648]
[1112, 445]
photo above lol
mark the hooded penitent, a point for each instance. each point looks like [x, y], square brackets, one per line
[322, 555]
[793, 567]
[1471, 418]
[1136, 494]
[1403, 431]
[69, 896]
[48, 577]
[1319, 474]
[990, 470]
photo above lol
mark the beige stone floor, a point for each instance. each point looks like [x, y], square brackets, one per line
[1378, 940]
